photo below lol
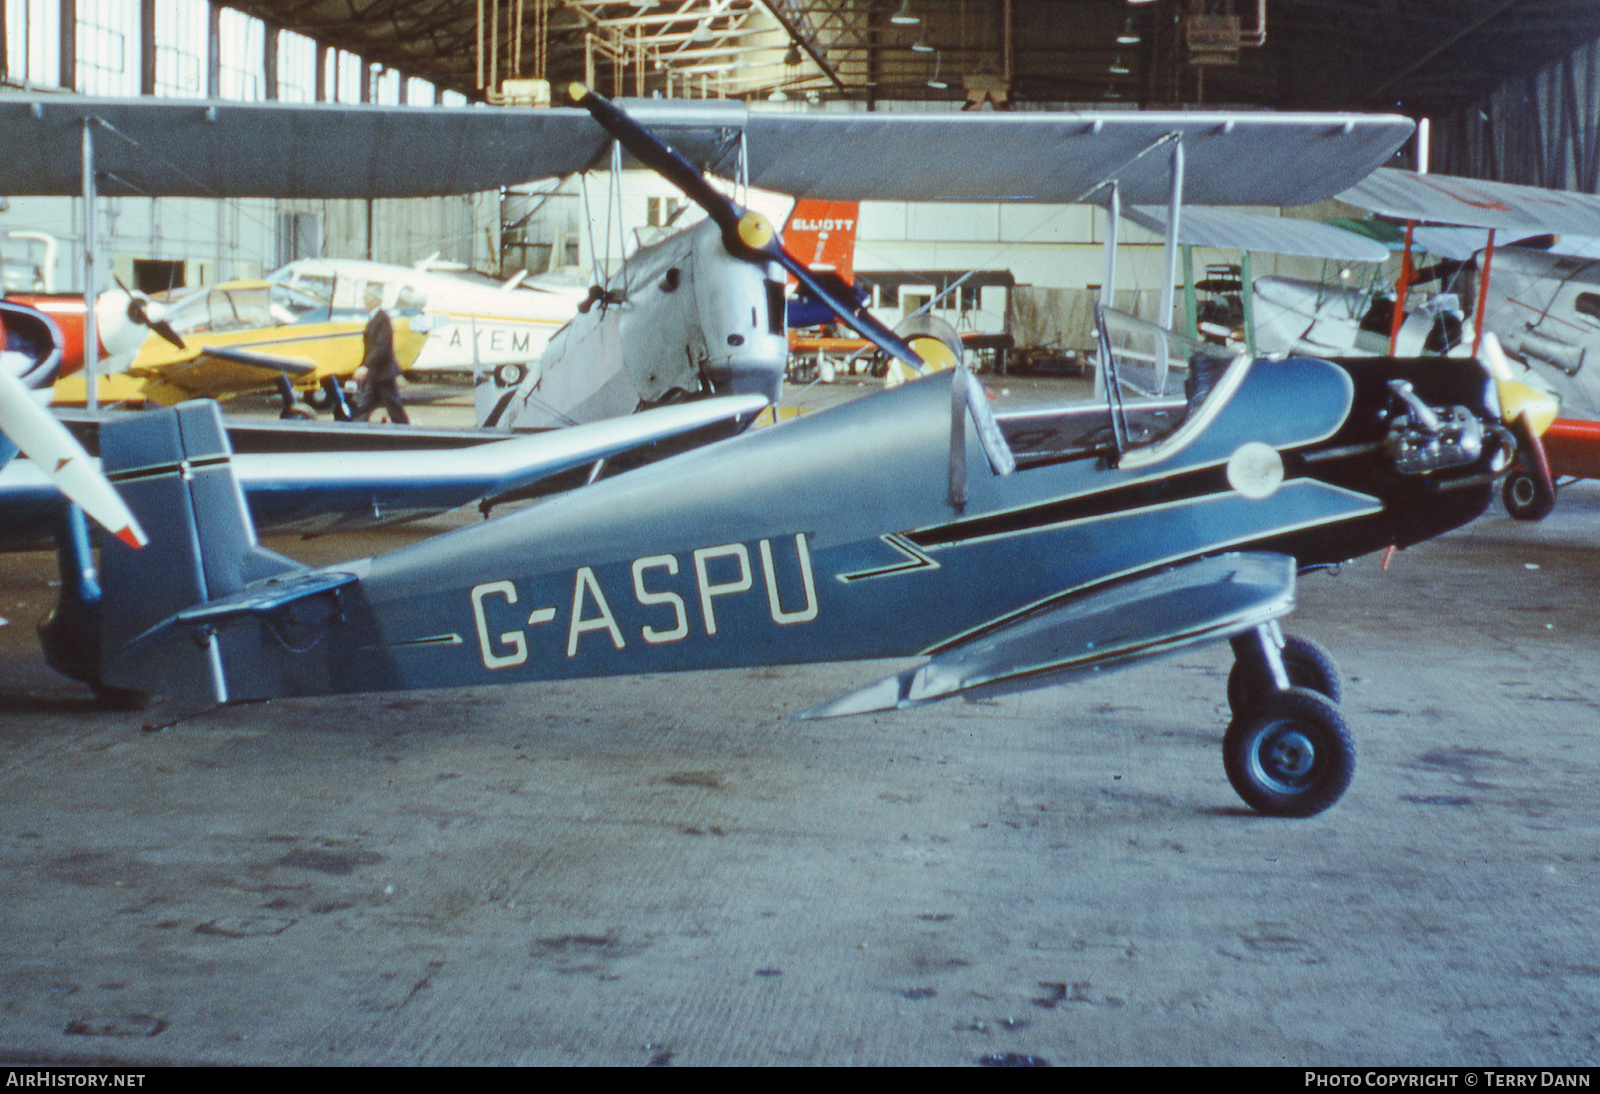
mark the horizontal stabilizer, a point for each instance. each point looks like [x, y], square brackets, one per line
[267, 598]
[1099, 628]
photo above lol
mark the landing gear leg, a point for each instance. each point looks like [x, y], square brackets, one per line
[1288, 752]
[1261, 654]
[331, 397]
[292, 406]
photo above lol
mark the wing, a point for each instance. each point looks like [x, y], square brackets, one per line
[1226, 228]
[341, 490]
[1104, 627]
[1476, 203]
[158, 147]
[255, 359]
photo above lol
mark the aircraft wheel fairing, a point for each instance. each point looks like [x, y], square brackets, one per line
[1290, 756]
[1525, 497]
[1309, 666]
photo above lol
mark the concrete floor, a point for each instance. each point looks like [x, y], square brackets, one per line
[669, 870]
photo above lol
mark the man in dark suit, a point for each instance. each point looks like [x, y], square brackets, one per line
[379, 374]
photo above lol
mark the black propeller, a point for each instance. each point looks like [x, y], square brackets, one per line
[745, 233]
[138, 314]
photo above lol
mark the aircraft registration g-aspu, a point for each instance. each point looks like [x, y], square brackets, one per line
[1010, 553]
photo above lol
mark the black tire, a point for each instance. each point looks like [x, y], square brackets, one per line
[1291, 756]
[1526, 497]
[299, 411]
[1309, 666]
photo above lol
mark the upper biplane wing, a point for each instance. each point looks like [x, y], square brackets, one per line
[203, 148]
[1475, 203]
[1236, 231]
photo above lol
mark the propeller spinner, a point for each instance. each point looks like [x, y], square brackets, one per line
[139, 314]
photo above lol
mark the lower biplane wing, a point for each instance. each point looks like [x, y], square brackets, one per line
[1097, 629]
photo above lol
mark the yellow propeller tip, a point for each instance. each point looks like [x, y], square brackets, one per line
[577, 91]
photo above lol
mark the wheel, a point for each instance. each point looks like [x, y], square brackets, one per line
[1308, 665]
[1291, 756]
[1525, 497]
[299, 410]
[509, 375]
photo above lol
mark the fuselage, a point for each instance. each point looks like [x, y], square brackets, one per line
[683, 318]
[833, 537]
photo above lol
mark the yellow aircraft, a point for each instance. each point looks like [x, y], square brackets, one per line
[240, 337]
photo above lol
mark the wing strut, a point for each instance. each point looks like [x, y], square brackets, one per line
[1170, 254]
[91, 335]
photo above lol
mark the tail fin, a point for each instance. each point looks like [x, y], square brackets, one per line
[822, 234]
[174, 469]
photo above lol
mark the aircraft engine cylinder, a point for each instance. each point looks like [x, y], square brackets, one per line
[1416, 449]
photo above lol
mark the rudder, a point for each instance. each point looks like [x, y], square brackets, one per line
[174, 469]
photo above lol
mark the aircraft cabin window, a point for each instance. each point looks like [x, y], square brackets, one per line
[317, 285]
[239, 309]
[190, 315]
[410, 299]
[290, 305]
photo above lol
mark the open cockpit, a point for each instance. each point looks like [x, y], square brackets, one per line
[1160, 390]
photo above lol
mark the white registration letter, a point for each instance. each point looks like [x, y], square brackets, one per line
[514, 639]
[708, 590]
[602, 622]
[809, 612]
[645, 598]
